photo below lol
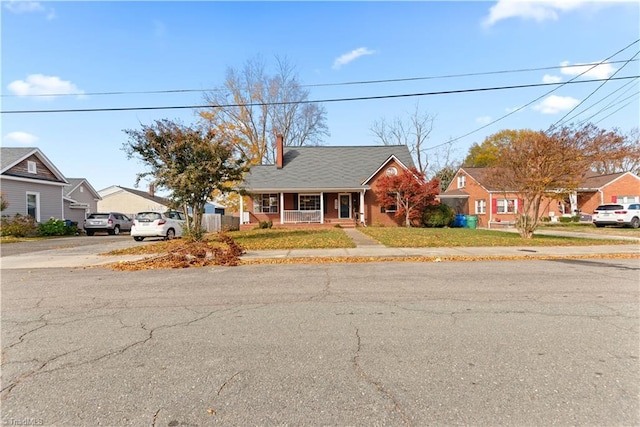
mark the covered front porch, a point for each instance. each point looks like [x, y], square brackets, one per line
[343, 207]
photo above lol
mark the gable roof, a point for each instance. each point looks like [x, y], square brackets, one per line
[11, 156]
[115, 188]
[594, 181]
[74, 183]
[325, 168]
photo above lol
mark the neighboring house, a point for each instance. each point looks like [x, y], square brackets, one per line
[470, 194]
[130, 201]
[325, 184]
[31, 184]
[80, 199]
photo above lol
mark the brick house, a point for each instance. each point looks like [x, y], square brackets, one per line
[322, 185]
[468, 193]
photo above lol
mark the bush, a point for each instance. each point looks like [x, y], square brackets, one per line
[265, 224]
[440, 215]
[18, 226]
[56, 227]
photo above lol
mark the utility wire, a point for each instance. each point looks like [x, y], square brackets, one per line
[633, 95]
[537, 99]
[629, 84]
[361, 98]
[363, 82]
[611, 104]
[593, 92]
[609, 115]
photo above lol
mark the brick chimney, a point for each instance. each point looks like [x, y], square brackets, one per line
[279, 151]
[152, 190]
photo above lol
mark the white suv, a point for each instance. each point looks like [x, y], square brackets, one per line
[617, 214]
[155, 224]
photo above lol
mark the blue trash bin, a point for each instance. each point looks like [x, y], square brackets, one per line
[460, 221]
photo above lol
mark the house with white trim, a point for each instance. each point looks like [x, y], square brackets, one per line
[322, 185]
[31, 184]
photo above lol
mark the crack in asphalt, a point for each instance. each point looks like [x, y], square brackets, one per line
[155, 418]
[226, 382]
[7, 390]
[362, 374]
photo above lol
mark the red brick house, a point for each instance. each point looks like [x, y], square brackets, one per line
[469, 194]
[322, 185]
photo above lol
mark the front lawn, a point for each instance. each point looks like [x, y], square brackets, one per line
[282, 238]
[400, 237]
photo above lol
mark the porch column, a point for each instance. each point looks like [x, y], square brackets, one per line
[241, 209]
[321, 207]
[281, 208]
[362, 218]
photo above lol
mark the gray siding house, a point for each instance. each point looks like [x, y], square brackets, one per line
[80, 199]
[31, 184]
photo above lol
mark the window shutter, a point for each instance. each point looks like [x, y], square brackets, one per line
[325, 199]
[494, 205]
[614, 199]
[295, 201]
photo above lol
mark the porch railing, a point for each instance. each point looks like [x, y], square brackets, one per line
[302, 216]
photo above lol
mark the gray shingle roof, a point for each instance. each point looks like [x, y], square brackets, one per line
[11, 155]
[325, 168]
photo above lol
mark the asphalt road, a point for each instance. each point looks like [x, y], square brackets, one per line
[480, 343]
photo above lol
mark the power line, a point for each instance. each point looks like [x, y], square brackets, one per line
[363, 82]
[593, 92]
[613, 103]
[261, 104]
[538, 98]
[612, 113]
[629, 84]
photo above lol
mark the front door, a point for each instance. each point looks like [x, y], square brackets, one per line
[345, 206]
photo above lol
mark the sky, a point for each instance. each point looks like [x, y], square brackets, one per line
[74, 52]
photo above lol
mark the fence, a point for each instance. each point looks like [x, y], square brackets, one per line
[216, 222]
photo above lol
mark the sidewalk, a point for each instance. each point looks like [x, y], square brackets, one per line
[88, 256]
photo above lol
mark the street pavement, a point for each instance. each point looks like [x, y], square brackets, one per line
[500, 343]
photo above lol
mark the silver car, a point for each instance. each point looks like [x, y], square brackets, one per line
[109, 222]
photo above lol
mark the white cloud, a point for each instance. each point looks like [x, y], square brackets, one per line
[21, 138]
[26, 6]
[39, 84]
[602, 71]
[351, 56]
[483, 120]
[554, 104]
[538, 10]
[551, 79]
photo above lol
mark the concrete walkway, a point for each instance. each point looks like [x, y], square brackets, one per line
[69, 256]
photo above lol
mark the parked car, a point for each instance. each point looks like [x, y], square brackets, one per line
[155, 224]
[110, 222]
[617, 214]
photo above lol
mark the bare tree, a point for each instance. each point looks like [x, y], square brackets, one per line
[616, 152]
[259, 106]
[412, 132]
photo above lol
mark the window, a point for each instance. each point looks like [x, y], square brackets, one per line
[392, 208]
[31, 167]
[265, 203]
[507, 206]
[481, 206]
[461, 181]
[626, 199]
[309, 202]
[81, 189]
[392, 171]
[33, 205]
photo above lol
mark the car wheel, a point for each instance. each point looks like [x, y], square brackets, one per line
[598, 225]
[115, 231]
[635, 222]
[138, 238]
[90, 232]
[171, 234]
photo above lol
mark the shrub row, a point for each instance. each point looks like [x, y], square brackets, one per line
[26, 226]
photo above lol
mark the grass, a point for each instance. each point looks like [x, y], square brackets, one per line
[592, 229]
[465, 237]
[275, 238]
